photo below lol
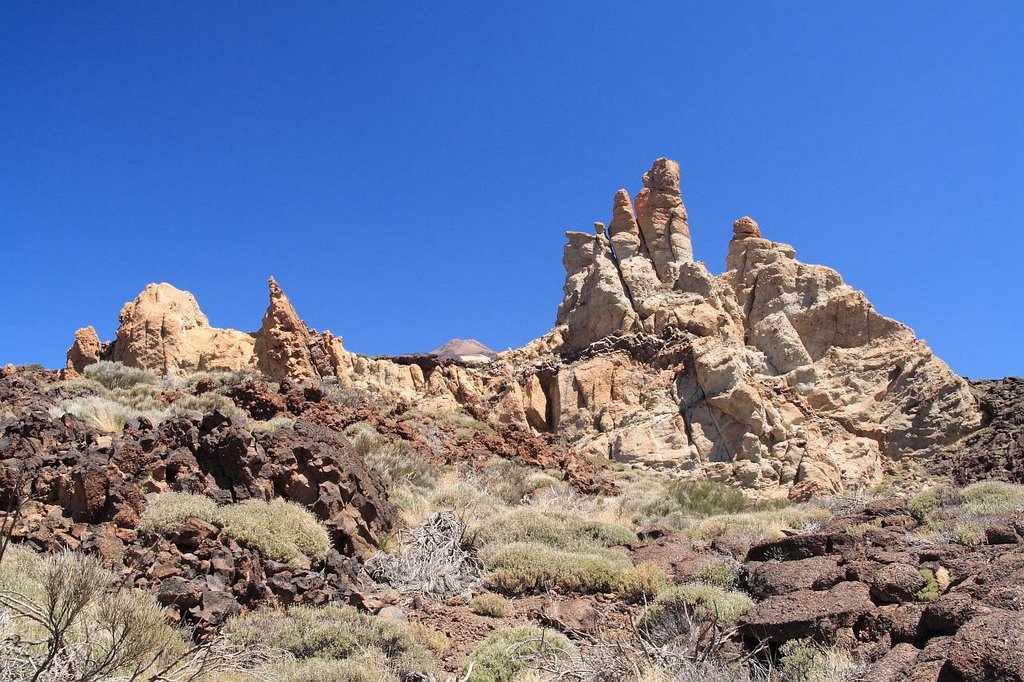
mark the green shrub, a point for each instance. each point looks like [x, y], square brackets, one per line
[923, 504]
[803, 660]
[115, 375]
[716, 572]
[272, 425]
[532, 567]
[490, 605]
[334, 633]
[707, 498]
[674, 610]
[499, 658]
[280, 530]
[82, 387]
[360, 668]
[511, 482]
[399, 464]
[206, 403]
[168, 511]
[969, 534]
[992, 497]
[758, 525]
[930, 591]
[562, 531]
[642, 582]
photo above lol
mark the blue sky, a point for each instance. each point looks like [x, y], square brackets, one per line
[407, 170]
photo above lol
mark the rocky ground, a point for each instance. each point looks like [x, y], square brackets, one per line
[913, 586]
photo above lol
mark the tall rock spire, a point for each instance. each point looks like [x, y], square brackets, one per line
[662, 218]
[283, 341]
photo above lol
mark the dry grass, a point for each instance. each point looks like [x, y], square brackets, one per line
[642, 582]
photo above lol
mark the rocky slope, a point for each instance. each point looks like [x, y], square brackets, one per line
[774, 375]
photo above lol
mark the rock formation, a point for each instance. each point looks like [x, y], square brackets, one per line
[774, 375]
[164, 331]
[286, 347]
[84, 351]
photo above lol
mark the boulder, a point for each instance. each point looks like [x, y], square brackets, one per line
[773, 578]
[895, 583]
[807, 613]
[988, 648]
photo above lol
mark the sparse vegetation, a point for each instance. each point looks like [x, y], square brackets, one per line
[102, 414]
[506, 653]
[113, 375]
[673, 609]
[969, 533]
[112, 394]
[707, 498]
[280, 530]
[808, 661]
[63, 620]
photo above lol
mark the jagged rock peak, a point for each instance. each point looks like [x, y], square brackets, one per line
[282, 347]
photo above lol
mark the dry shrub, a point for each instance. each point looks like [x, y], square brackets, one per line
[430, 559]
[65, 620]
[490, 605]
[642, 582]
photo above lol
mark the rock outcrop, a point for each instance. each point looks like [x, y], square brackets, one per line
[774, 375]
[84, 351]
[164, 331]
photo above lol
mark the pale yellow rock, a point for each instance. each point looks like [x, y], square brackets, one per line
[164, 331]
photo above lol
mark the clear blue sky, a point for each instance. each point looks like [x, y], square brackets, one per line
[406, 170]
